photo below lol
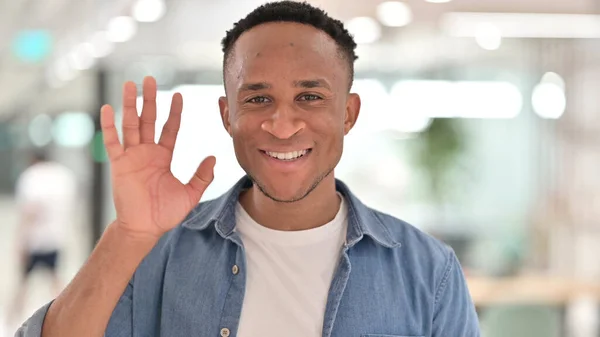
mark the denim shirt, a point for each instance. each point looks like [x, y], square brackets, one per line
[391, 280]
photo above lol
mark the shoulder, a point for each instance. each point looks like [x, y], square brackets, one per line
[412, 238]
[420, 252]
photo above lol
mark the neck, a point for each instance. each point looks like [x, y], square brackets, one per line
[316, 209]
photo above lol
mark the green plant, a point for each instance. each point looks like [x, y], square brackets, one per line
[439, 149]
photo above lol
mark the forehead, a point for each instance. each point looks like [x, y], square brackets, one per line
[285, 51]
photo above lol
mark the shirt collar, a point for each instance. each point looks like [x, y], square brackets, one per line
[220, 212]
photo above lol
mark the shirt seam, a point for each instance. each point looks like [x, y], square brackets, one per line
[442, 286]
[352, 215]
[391, 242]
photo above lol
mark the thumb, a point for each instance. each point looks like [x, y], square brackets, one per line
[202, 178]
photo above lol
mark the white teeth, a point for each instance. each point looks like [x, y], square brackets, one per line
[287, 155]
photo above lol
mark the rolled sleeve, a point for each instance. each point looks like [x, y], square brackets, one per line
[33, 326]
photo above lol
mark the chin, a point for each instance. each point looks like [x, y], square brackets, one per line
[284, 192]
[280, 189]
[287, 186]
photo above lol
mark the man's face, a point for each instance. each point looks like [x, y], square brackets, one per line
[287, 107]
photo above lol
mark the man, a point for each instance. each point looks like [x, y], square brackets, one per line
[288, 251]
[45, 194]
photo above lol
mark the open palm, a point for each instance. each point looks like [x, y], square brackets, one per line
[149, 200]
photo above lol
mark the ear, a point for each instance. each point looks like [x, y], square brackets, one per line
[224, 107]
[352, 111]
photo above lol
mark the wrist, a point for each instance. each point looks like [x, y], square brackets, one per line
[133, 238]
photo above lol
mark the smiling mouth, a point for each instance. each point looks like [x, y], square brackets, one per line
[287, 156]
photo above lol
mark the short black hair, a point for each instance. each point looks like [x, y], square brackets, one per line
[293, 11]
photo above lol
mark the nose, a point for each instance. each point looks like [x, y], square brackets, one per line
[283, 123]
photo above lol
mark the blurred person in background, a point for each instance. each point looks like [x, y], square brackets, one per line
[289, 250]
[45, 194]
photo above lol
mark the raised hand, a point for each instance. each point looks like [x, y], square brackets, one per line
[149, 200]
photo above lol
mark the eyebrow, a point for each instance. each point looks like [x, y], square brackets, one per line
[308, 84]
[254, 86]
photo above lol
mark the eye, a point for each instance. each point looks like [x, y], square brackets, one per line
[258, 100]
[309, 97]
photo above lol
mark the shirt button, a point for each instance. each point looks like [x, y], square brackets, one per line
[235, 269]
[224, 332]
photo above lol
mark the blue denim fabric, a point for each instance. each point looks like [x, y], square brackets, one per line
[392, 280]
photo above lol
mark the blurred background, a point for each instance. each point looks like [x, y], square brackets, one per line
[480, 125]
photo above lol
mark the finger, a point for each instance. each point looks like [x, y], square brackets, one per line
[131, 121]
[171, 127]
[148, 119]
[202, 178]
[109, 133]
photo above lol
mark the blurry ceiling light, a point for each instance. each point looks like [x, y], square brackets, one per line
[73, 129]
[99, 45]
[364, 29]
[522, 25]
[394, 14]
[554, 78]
[80, 58]
[63, 70]
[549, 99]
[40, 130]
[377, 115]
[488, 36]
[149, 10]
[410, 123]
[487, 99]
[121, 29]
[457, 99]
[32, 45]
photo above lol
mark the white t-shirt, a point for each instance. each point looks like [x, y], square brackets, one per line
[51, 189]
[288, 276]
